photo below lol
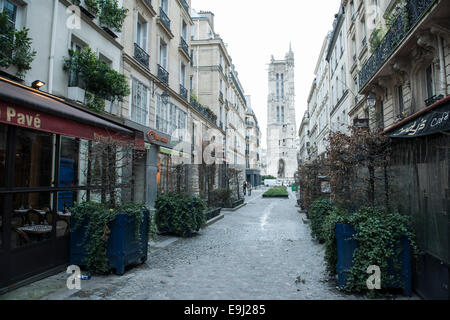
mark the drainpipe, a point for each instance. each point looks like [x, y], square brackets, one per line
[443, 78]
[52, 46]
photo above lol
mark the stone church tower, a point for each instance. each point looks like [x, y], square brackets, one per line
[281, 126]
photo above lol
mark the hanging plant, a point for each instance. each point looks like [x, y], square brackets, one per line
[111, 15]
[15, 47]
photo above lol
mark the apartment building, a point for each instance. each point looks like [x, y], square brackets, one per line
[252, 146]
[215, 82]
[389, 67]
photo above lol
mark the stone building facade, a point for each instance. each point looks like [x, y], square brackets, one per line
[281, 124]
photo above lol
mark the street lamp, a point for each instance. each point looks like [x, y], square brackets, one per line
[165, 97]
[371, 100]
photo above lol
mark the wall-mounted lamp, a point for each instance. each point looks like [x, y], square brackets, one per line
[371, 100]
[37, 84]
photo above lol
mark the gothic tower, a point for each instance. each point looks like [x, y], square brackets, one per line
[281, 126]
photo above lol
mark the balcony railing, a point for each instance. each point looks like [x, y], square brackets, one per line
[141, 56]
[399, 30]
[203, 111]
[149, 3]
[164, 18]
[163, 75]
[183, 92]
[184, 46]
[185, 5]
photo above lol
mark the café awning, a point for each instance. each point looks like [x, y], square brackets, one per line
[25, 107]
[431, 120]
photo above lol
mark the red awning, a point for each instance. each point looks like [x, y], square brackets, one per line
[28, 108]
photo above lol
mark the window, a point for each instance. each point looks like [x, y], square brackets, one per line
[169, 118]
[3, 134]
[141, 33]
[33, 164]
[184, 30]
[163, 54]
[430, 81]
[401, 105]
[183, 75]
[139, 102]
[278, 87]
[278, 114]
[282, 114]
[74, 79]
[282, 86]
[354, 48]
[11, 10]
[165, 6]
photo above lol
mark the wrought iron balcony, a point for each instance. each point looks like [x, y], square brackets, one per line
[149, 3]
[183, 92]
[184, 46]
[185, 5]
[141, 56]
[207, 114]
[400, 29]
[164, 18]
[163, 75]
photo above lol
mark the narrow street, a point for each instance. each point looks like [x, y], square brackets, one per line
[255, 253]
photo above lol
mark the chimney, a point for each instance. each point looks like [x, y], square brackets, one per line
[209, 15]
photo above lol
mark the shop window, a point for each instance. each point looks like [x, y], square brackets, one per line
[33, 162]
[1, 221]
[3, 132]
[68, 171]
[30, 218]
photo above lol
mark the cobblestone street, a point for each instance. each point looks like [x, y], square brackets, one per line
[255, 253]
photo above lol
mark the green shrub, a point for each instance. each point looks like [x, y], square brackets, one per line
[180, 214]
[317, 213]
[276, 191]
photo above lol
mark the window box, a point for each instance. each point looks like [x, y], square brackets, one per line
[76, 94]
[110, 32]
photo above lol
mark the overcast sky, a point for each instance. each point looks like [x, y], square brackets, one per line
[256, 29]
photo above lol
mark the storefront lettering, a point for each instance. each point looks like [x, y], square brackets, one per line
[152, 136]
[23, 119]
[438, 121]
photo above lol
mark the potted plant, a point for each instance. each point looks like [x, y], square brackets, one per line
[103, 239]
[111, 16]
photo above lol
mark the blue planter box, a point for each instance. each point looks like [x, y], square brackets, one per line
[346, 246]
[122, 248]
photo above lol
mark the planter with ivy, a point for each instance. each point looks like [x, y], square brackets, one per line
[180, 214]
[369, 237]
[103, 239]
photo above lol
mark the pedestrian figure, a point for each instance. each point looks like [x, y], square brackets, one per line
[249, 189]
[244, 187]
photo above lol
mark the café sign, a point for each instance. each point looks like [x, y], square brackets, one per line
[30, 119]
[435, 121]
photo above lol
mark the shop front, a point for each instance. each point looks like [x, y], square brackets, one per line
[49, 159]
